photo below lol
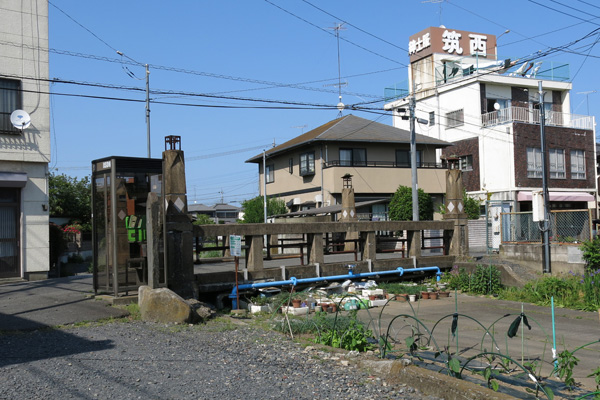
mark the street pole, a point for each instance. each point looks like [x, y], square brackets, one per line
[265, 185]
[546, 230]
[413, 159]
[148, 109]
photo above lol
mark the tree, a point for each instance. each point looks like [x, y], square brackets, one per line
[70, 197]
[471, 206]
[254, 209]
[401, 207]
[203, 219]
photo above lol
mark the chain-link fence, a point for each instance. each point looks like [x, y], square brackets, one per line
[567, 226]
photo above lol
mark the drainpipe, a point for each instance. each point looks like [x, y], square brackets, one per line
[351, 275]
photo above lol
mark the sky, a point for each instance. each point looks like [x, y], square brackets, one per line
[233, 78]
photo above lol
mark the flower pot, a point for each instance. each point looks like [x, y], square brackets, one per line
[372, 297]
[444, 294]
[402, 297]
[296, 303]
[430, 289]
[425, 295]
[433, 295]
[412, 298]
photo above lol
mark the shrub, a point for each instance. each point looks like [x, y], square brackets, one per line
[401, 206]
[591, 252]
[485, 280]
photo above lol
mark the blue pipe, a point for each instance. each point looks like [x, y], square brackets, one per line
[351, 275]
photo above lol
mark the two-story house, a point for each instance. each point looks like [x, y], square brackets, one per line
[219, 213]
[24, 153]
[490, 110]
[306, 171]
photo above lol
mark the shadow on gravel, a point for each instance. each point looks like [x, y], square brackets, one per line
[23, 347]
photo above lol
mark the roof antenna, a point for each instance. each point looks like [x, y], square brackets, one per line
[340, 105]
[436, 2]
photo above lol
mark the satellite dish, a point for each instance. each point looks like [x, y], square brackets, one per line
[20, 119]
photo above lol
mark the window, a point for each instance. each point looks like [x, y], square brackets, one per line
[502, 104]
[466, 163]
[577, 164]
[353, 157]
[270, 173]
[534, 162]
[557, 163]
[403, 158]
[455, 118]
[307, 163]
[10, 100]
[432, 118]
[291, 167]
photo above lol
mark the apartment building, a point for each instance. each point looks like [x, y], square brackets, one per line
[25, 152]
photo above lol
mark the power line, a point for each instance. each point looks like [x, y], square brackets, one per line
[355, 27]
[329, 33]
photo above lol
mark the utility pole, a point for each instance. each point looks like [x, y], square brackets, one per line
[546, 228]
[265, 185]
[148, 109]
[413, 159]
[132, 75]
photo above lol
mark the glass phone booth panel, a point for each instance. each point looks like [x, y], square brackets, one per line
[120, 187]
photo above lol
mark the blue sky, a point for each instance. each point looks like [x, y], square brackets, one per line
[277, 50]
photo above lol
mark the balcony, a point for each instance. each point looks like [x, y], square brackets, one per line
[526, 115]
[381, 164]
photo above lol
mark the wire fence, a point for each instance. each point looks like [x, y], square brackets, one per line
[566, 226]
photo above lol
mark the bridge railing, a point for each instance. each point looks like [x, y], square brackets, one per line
[364, 235]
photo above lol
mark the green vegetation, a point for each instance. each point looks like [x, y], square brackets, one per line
[401, 208]
[254, 210]
[484, 280]
[399, 288]
[203, 219]
[71, 197]
[471, 206]
[336, 330]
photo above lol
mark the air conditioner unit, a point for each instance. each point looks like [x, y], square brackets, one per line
[318, 198]
[297, 201]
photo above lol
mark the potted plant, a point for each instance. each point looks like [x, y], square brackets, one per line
[296, 302]
[259, 304]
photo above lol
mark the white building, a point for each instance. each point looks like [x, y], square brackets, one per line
[489, 109]
[24, 154]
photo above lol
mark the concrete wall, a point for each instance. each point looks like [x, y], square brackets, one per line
[564, 257]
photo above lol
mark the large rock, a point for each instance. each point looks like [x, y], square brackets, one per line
[164, 306]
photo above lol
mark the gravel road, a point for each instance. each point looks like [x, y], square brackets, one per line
[138, 360]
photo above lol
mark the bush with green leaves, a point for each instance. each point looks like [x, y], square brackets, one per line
[401, 205]
[354, 337]
[485, 280]
[591, 252]
[254, 209]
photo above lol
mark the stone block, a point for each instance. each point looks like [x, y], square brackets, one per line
[164, 306]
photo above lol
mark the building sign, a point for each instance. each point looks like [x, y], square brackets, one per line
[452, 42]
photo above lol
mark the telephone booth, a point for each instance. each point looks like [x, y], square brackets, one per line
[120, 187]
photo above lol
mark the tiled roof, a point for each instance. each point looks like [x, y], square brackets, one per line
[352, 129]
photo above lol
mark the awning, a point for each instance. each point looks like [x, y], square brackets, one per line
[13, 179]
[560, 196]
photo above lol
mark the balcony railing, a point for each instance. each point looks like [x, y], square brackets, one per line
[381, 164]
[521, 114]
